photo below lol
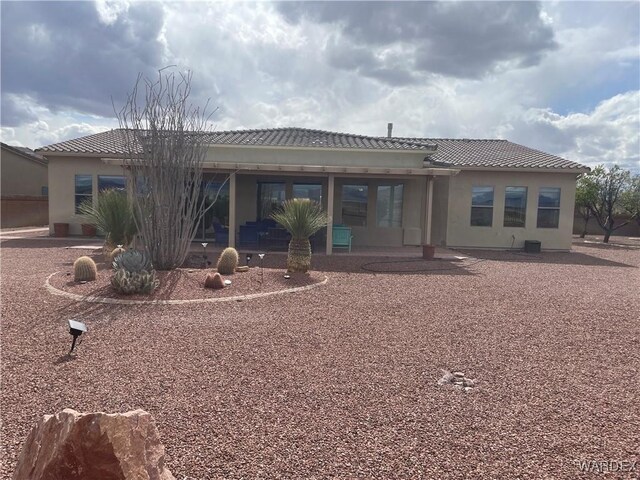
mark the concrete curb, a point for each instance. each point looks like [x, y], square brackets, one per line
[116, 301]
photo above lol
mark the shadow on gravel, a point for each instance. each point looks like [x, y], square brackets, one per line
[606, 246]
[64, 359]
[557, 258]
[382, 265]
[44, 242]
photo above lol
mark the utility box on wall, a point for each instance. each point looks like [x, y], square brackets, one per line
[532, 246]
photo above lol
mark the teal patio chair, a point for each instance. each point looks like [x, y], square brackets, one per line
[342, 237]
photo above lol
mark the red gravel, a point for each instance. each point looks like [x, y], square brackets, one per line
[186, 284]
[341, 381]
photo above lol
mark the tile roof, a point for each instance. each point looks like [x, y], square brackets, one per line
[113, 142]
[450, 152]
[493, 154]
[25, 152]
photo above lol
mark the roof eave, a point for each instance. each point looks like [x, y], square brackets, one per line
[575, 170]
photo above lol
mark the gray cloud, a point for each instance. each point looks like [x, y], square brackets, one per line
[460, 39]
[64, 56]
[15, 112]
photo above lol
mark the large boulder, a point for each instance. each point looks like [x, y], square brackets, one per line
[73, 446]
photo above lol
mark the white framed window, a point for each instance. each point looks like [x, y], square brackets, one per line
[482, 206]
[83, 189]
[548, 207]
[515, 206]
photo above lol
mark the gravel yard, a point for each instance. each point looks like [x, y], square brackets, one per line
[342, 380]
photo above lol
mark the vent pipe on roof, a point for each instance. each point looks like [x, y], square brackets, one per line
[389, 129]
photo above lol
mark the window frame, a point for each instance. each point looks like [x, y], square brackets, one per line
[259, 209]
[366, 203]
[84, 196]
[123, 177]
[394, 222]
[308, 184]
[493, 198]
[556, 209]
[524, 208]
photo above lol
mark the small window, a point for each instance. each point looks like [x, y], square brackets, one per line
[84, 189]
[389, 206]
[354, 205]
[515, 206]
[312, 191]
[44, 191]
[482, 207]
[548, 207]
[107, 182]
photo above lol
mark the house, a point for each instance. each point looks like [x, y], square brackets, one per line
[23, 187]
[389, 191]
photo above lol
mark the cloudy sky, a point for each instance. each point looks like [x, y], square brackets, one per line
[563, 77]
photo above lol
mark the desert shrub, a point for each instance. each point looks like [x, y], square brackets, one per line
[113, 215]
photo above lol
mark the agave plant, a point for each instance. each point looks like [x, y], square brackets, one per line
[302, 218]
[133, 261]
[113, 215]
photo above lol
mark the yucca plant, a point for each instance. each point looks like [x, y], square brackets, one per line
[302, 218]
[113, 215]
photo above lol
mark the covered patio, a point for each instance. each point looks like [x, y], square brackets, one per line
[378, 209]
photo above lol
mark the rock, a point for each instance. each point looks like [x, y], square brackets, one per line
[244, 268]
[458, 374]
[213, 280]
[71, 445]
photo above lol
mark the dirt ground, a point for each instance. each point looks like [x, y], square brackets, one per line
[342, 380]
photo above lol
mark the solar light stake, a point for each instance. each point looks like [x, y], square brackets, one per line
[261, 256]
[249, 257]
[76, 329]
[204, 253]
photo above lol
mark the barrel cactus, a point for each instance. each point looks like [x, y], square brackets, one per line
[228, 261]
[213, 280]
[84, 269]
[116, 251]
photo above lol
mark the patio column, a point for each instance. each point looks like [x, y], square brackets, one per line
[428, 211]
[330, 195]
[232, 210]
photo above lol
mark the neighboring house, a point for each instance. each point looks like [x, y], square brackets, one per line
[390, 191]
[23, 188]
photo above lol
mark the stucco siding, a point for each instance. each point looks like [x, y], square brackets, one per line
[21, 176]
[62, 172]
[460, 233]
[280, 156]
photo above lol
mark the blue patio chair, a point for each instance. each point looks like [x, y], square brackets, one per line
[248, 235]
[342, 237]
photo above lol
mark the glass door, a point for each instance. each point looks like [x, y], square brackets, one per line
[216, 204]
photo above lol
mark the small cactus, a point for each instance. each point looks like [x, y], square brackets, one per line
[213, 280]
[116, 251]
[228, 261]
[84, 270]
[134, 282]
